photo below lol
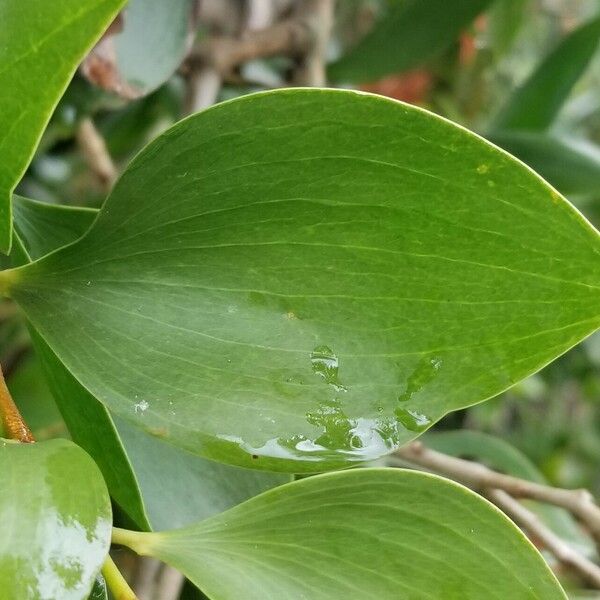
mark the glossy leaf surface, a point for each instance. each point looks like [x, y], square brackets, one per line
[536, 103]
[157, 485]
[145, 51]
[56, 521]
[300, 279]
[41, 44]
[365, 533]
[409, 33]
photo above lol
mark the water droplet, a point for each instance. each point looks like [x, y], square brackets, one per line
[424, 372]
[325, 364]
[483, 169]
[88, 283]
[141, 406]
[412, 420]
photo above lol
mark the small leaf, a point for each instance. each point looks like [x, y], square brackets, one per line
[146, 48]
[41, 44]
[56, 521]
[571, 165]
[99, 591]
[45, 227]
[535, 104]
[408, 34]
[300, 279]
[366, 533]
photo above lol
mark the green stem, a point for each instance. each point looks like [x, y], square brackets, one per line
[137, 541]
[116, 582]
[7, 278]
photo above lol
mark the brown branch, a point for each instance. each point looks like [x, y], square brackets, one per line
[580, 503]
[95, 152]
[14, 424]
[170, 583]
[528, 521]
[317, 16]
[291, 37]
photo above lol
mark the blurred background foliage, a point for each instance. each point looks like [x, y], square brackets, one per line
[524, 73]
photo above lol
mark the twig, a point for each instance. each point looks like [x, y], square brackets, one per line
[290, 38]
[169, 585]
[93, 148]
[14, 424]
[527, 520]
[203, 88]
[116, 582]
[579, 502]
[317, 16]
[144, 580]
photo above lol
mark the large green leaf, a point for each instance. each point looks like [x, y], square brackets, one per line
[157, 485]
[536, 103]
[300, 279]
[56, 521]
[41, 44]
[571, 165]
[366, 533]
[408, 33]
[151, 44]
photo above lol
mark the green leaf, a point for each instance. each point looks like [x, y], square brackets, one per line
[505, 21]
[501, 456]
[44, 227]
[157, 485]
[56, 521]
[153, 41]
[365, 533]
[41, 44]
[99, 591]
[409, 33]
[536, 103]
[300, 279]
[571, 165]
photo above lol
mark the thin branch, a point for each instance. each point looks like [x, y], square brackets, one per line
[527, 520]
[95, 152]
[170, 583]
[291, 37]
[144, 580]
[115, 581]
[579, 502]
[317, 16]
[14, 424]
[203, 88]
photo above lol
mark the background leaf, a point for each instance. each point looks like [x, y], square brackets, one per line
[501, 456]
[408, 33]
[571, 165]
[150, 44]
[376, 533]
[56, 518]
[41, 44]
[536, 103]
[289, 318]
